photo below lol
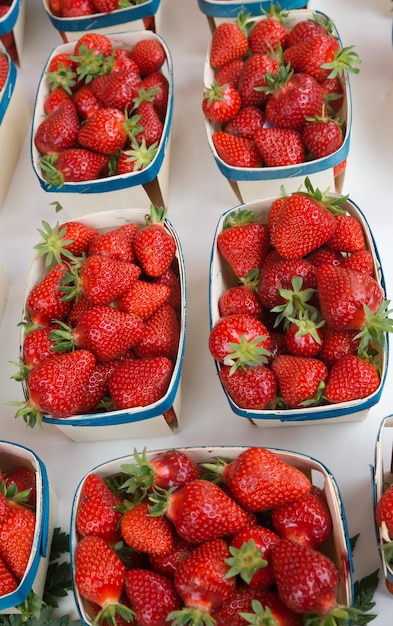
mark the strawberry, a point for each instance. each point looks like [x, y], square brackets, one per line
[306, 579]
[252, 79]
[96, 42]
[149, 127]
[56, 386]
[239, 340]
[105, 6]
[99, 577]
[144, 298]
[303, 336]
[348, 235]
[246, 122]
[322, 136]
[72, 165]
[37, 345]
[384, 513]
[4, 67]
[310, 55]
[269, 33]
[103, 279]
[61, 72]
[229, 73]
[259, 480]
[151, 596]
[144, 533]
[301, 380]
[190, 508]
[54, 99]
[351, 378]
[140, 382]
[250, 550]
[168, 564]
[323, 255]
[171, 280]
[252, 388]
[149, 55]
[85, 101]
[160, 335]
[337, 343]
[360, 261]
[229, 42]
[307, 520]
[76, 8]
[45, 301]
[154, 246]
[220, 102]
[58, 131]
[333, 89]
[242, 298]
[280, 146]
[160, 84]
[236, 151]
[276, 279]
[17, 537]
[247, 606]
[8, 582]
[24, 480]
[97, 513]
[64, 241]
[122, 61]
[104, 131]
[118, 89]
[116, 243]
[137, 157]
[97, 388]
[242, 242]
[304, 29]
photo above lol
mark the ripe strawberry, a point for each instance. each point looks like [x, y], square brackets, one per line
[301, 380]
[348, 235]
[37, 345]
[322, 136]
[99, 577]
[4, 67]
[259, 480]
[333, 89]
[54, 99]
[149, 127]
[45, 300]
[236, 151]
[306, 579]
[304, 337]
[118, 89]
[250, 550]
[152, 596]
[61, 72]
[154, 246]
[103, 279]
[311, 54]
[252, 388]
[105, 6]
[56, 386]
[17, 538]
[168, 564]
[97, 387]
[220, 102]
[144, 533]
[351, 378]
[97, 42]
[160, 84]
[336, 344]
[242, 242]
[144, 298]
[229, 73]
[304, 29]
[276, 280]
[190, 508]
[24, 480]
[269, 33]
[137, 157]
[307, 520]
[8, 582]
[384, 513]
[76, 8]
[85, 101]
[161, 334]
[149, 55]
[246, 122]
[116, 243]
[242, 298]
[252, 79]
[323, 255]
[64, 241]
[247, 606]
[140, 382]
[72, 165]
[360, 261]
[229, 42]
[280, 146]
[97, 512]
[171, 279]
[58, 131]
[239, 340]
[104, 131]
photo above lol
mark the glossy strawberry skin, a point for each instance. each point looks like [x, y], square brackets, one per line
[308, 56]
[252, 79]
[25, 480]
[229, 42]
[45, 301]
[104, 279]
[221, 103]
[152, 596]
[155, 249]
[37, 346]
[280, 146]
[96, 514]
[228, 331]
[161, 334]
[253, 388]
[58, 131]
[278, 272]
[140, 382]
[149, 55]
[145, 533]
[244, 246]
[301, 97]
[80, 236]
[263, 539]
[17, 537]
[267, 35]
[236, 151]
[78, 165]
[246, 122]
[240, 299]
[384, 510]
[322, 137]
[144, 298]
[117, 89]
[8, 582]
[104, 131]
[299, 378]
[351, 378]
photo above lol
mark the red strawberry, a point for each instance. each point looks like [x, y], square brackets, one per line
[309, 55]
[322, 255]
[220, 102]
[306, 520]
[247, 605]
[149, 55]
[250, 551]
[116, 243]
[103, 279]
[64, 241]
[61, 72]
[4, 67]
[229, 73]
[97, 387]
[280, 146]
[99, 577]
[301, 380]
[85, 101]
[104, 131]
[246, 122]
[293, 100]
[236, 151]
[360, 261]
[259, 479]
[144, 298]
[54, 99]
[160, 84]
[140, 382]
[252, 79]
[242, 298]
[251, 388]
[77, 8]
[337, 343]
[17, 537]
[171, 279]
[37, 345]
[333, 89]
[149, 127]
[242, 242]
[105, 6]
[154, 246]
[306, 579]
[45, 300]
[239, 340]
[144, 533]
[269, 33]
[348, 235]
[152, 596]
[56, 386]
[24, 479]
[277, 276]
[58, 131]
[168, 564]
[351, 378]
[117, 89]
[96, 513]
[322, 136]
[303, 336]
[8, 582]
[229, 42]
[97, 42]
[137, 157]
[72, 165]
[384, 512]
[161, 334]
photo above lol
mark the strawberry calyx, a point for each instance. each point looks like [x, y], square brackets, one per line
[23, 371]
[156, 216]
[276, 12]
[261, 616]
[331, 202]
[245, 561]
[308, 325]
[375, 326]
[296, 305]
[160, 499]
[215, 92]
[64, 77]
[140, 475]
[141, 154]
[92, 63]
[32, 415]
[12, 493]
[243, 20]
[251, 280]
[345, 60]
[336, 616]
[53, 245]
[145, 95]
[317, 398]
[274, 82]
[63, 338]
[239, 218]
[52, 175]
[215, 471]
[190, 616]
[109, 611]
[246, 353]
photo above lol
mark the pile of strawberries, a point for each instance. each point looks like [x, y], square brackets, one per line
[105, 110]
[303, 320]
[169, 540]
[17, 525]
[79, 8]
[278, 91]
[103, 324]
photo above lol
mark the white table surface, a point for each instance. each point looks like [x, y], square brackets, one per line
[198, 196]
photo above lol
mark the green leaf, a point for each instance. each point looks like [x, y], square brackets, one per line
[60, 544]
[58, 583]
[364, 592]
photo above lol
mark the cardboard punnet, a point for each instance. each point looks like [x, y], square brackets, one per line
[141, 188]
[146, 15]
[12, 25]
[147, 421]
[12, 455]
[221, 277]
[249, 184]
[337, 547]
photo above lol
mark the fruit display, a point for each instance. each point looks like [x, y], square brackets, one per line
[298, 311]
[12, 18]
[107, 106]
[27, 514]
[276, 101]
[206, 535]
[105, 304]
[73, 18]
[383, 498]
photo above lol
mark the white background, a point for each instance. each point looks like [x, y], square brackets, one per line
[198, 196]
